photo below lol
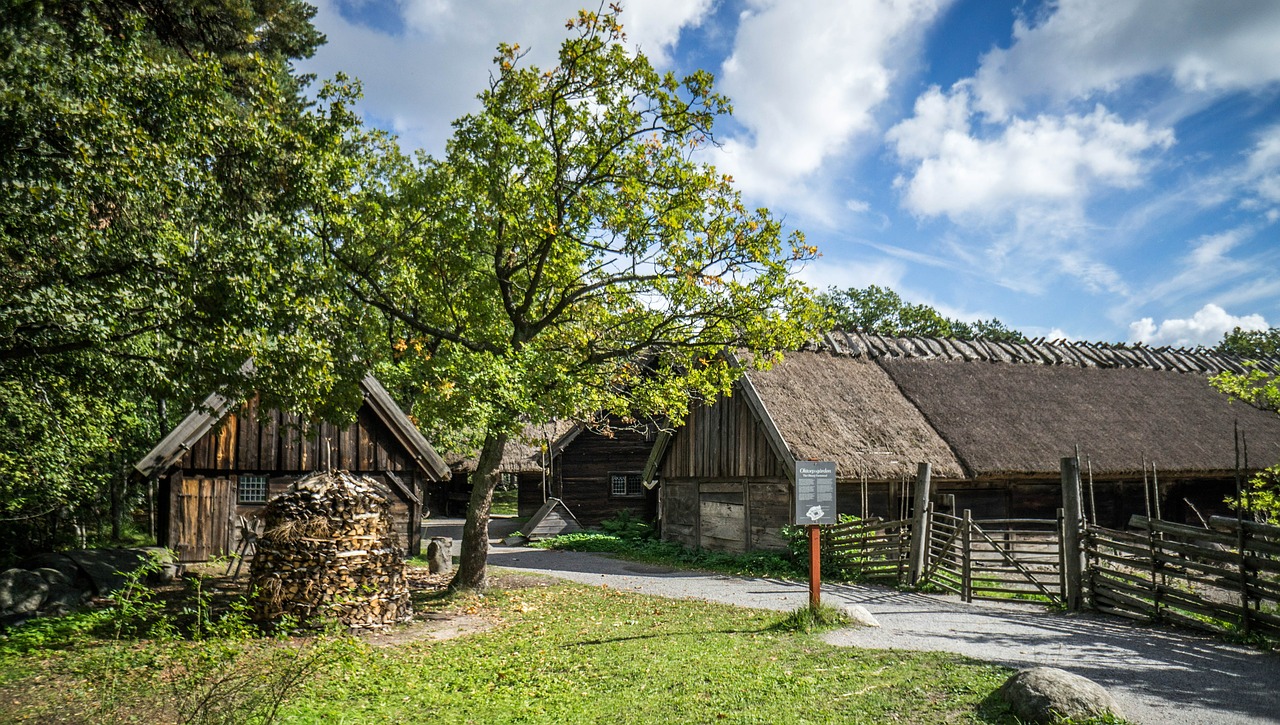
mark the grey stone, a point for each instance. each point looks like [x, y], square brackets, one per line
[21, 591]
[62, 600]
[515, 540]
[1048, 694]
[440, 555]
[860, 616]
[54, 577]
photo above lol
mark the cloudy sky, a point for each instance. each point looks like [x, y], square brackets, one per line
[1095, 169]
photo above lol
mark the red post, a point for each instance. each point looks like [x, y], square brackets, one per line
[815, 567]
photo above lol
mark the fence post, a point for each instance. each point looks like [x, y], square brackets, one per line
[920, 522]
[1072, 554]
[966, 557]
[1062, 555]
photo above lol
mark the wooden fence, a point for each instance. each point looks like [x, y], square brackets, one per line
[869, 550]
[1218, 579]
[1004, 559]
[1224, 577]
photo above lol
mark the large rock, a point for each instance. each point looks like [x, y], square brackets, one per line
[440, 555]
[859, 615]
[21, 591]
[1048, 694]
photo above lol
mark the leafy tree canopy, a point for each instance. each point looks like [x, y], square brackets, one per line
[158, 173]
[1251, 343]
[570, 254]
[1259, 388]
[881, 311]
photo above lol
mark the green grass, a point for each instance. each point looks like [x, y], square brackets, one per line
[554, 654]
[759, 564]
[505, 503]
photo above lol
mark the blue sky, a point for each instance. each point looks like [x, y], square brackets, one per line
[1093, 169]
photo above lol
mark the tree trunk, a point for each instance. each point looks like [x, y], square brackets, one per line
[475, 533]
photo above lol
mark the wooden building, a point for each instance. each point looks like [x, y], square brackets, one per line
[226, 459]
[992, 419]
[525, 466]
[597, 472]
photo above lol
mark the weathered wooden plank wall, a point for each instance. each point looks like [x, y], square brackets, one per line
[283, 442]
[721, 441]
[584, 468]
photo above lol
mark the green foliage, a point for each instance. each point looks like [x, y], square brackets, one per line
[651, 551]
[569, 255]
[575, 654]
[198, 665]
[1252, 344]
[159, 177]
[881, 311]
[809, 620]
[1261, 496]
[834, 567]
[627, 526]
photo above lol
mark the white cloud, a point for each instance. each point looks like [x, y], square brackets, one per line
[1262, 169]
[1205, 327]
[1084, 47]
[805, 77]
[1052, 163]
[825, 273]
[418, 81]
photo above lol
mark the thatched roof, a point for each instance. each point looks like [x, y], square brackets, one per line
[878, 405]
[522, 454]
[1018, 418]
[846, 409]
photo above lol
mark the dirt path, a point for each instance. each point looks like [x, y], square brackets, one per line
[1158, 675]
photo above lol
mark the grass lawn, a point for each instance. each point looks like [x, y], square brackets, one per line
[537, 653]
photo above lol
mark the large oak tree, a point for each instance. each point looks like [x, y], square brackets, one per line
[571, 254]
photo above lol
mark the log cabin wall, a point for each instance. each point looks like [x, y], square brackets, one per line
[723, 486]
[585, 470]
[282, 447]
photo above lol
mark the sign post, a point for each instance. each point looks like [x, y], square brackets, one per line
[815, 505]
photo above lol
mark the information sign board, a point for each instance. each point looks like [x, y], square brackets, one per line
[815, 492]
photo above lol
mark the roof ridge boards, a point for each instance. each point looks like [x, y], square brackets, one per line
[1040, 352]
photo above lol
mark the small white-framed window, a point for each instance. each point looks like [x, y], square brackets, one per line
[625, 484]
[252, 489]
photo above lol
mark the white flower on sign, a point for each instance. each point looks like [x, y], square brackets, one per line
[815, 513]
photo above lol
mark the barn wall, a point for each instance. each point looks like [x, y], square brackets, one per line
[583, 475]
[721, 441]
[282, 442]
[730, 516]
[284, 448]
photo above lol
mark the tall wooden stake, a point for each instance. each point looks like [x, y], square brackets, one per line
[920, 522]
[815, 567]
[1073, 553]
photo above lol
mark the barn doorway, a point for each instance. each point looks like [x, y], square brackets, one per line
[201, 524]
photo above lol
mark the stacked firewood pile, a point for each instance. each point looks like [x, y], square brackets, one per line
[327, 552]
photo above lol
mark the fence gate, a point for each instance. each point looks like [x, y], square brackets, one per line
[1013, 559]
[998, 559]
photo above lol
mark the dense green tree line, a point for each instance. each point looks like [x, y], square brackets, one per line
[881, 311]
[158, 168]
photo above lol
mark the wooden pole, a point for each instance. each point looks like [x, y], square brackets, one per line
[920, 523]
[1073, 568]
[1245, 624]
[966, 558]
[815, 567]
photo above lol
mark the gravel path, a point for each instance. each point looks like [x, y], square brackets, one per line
[1158, 675]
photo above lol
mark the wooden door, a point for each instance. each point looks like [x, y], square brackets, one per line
[200, 518]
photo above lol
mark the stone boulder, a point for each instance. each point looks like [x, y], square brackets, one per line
[440, 555]
[1048, 694]
[859, 615]
[21, 592]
